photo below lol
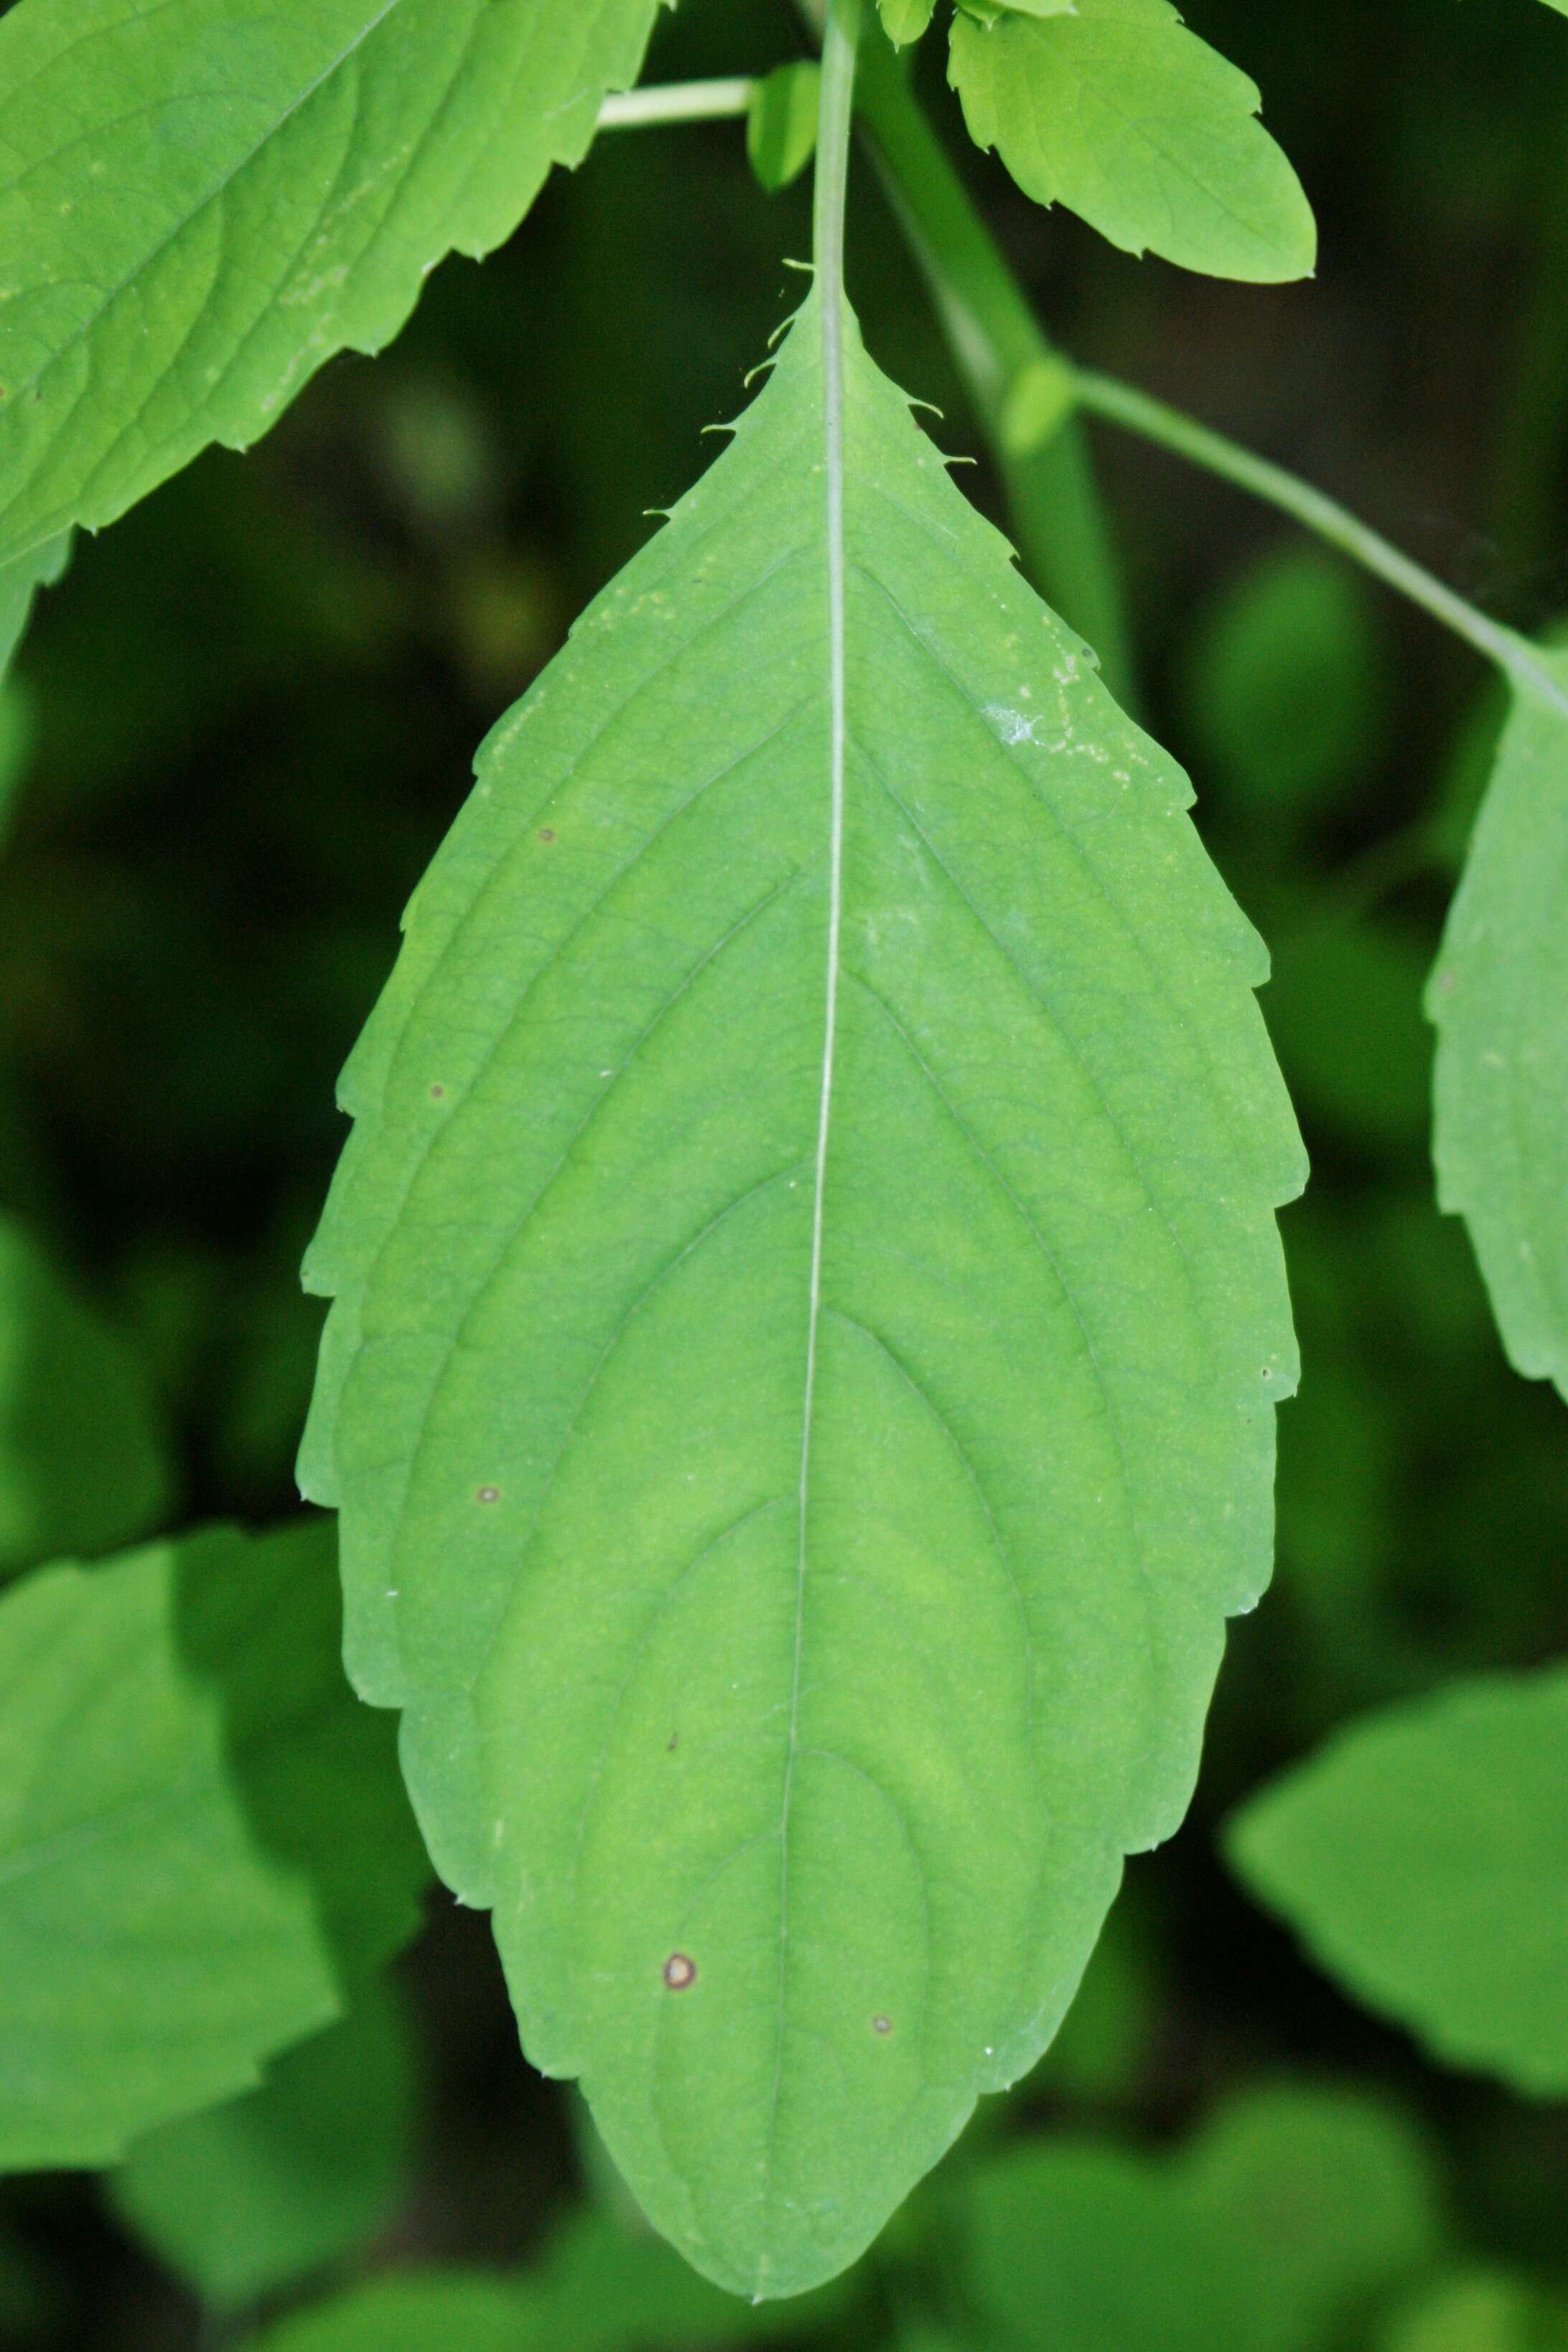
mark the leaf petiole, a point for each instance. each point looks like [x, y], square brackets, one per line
[1154, 420]
[678, 101]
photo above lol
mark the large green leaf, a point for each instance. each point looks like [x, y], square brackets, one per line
[1422, 1855]
[83, 1463]
[1498, 996]
[202, 1838]
[254, 2194]
[808, 1319]
[201, 202]
[1290, 2205]
[1121, 113]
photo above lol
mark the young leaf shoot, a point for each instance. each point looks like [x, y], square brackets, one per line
[1117, 111]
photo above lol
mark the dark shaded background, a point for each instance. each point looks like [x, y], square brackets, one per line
[256, 702]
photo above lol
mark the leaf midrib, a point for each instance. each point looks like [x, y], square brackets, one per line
[831, 297]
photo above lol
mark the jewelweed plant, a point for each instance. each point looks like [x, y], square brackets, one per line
[808, 1307]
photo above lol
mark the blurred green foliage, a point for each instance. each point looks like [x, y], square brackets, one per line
[1422, 1853]
[1481, 2313]
[205, 1852]
[241, 722]
[249, 2197]
[1290, 2210]
[82, 1461]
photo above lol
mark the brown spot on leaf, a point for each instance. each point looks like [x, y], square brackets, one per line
[546, 833]
[880, 2024]
[488, 1495]
[679, 1971]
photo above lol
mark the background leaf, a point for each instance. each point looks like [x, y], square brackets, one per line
[1261, 2235]
[1422, 1855]
[437, 2311]
[781, 129]
[1332, 970]
[199, 206]
[1325, 2197]
[803, 1752]
[905, 20]
[1119, 112]
[1283, 686]
[202, 1838]
[17, 741]
[255, 2194]
[1109, 2035]
[594, 2288]
[83, 1460]
[1497, 997]
[19, 584]
[1484, 2312]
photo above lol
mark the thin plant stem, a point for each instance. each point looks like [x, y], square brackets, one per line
[678, 101]
[1154, 420]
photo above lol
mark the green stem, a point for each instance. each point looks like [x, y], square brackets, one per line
[1139, 411]
[836, 115]
[678, 101]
